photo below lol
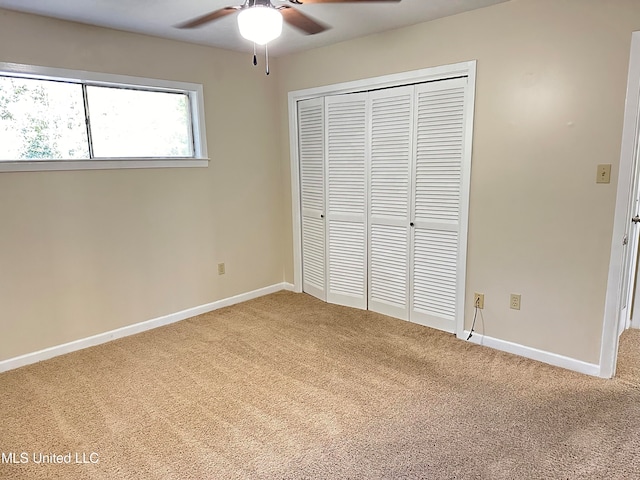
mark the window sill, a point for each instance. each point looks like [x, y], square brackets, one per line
[103, 164]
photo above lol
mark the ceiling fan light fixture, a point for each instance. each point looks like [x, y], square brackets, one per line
[260, 24]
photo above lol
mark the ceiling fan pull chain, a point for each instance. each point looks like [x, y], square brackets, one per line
[266, 56]
[255, 58]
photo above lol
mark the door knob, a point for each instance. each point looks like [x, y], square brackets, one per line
[411, 224]
[635, 219]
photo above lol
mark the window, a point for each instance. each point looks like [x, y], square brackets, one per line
[52, 119]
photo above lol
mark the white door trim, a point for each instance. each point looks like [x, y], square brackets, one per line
[467, 69]
[613, 299]
[465, 192]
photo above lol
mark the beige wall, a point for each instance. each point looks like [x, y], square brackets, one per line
[85, 252]
[550, 95]
[89, 251]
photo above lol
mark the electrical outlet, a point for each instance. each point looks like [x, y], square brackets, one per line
[514, 302]
[478, 300]
[221, 269]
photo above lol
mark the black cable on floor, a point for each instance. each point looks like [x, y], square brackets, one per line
[475, 315]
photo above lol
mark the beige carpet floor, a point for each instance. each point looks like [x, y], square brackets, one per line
[288, 387]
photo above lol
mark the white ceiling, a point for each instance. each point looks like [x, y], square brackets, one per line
[159, 18]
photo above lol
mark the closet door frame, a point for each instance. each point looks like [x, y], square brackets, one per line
[462, 69]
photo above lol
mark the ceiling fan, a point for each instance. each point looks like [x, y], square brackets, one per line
[260, 21]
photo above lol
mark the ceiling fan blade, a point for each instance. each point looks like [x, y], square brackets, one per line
[301, 21]
[209, 17]
[305, 2]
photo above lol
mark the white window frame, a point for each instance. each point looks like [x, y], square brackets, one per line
[194, 92]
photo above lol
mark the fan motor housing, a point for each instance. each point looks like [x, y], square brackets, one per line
[257, 3]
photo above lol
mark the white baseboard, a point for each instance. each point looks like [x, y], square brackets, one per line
[535, 354]
[51, 352]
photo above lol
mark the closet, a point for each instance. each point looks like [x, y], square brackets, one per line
[384, 179]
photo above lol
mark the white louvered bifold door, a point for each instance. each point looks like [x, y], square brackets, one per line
[438, 171]
[346, 198]
[390, 189]
[311, 155]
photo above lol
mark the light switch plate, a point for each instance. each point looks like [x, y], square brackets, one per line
[604, 173]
